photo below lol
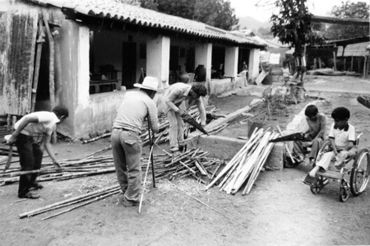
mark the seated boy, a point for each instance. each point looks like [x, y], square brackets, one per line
[342, 137]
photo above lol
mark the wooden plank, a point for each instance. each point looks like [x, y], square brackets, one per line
[19, 62]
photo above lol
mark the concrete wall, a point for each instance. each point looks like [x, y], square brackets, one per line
[253, 67]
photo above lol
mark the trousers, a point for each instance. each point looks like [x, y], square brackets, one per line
[30, 158]
[127, 149]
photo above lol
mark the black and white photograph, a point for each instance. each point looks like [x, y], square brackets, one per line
[184, 122]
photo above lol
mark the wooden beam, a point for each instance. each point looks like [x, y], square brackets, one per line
[343, 21]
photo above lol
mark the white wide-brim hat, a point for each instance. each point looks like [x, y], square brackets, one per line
[149, 83]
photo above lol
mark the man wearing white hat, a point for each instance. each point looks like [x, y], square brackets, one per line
[126, 143]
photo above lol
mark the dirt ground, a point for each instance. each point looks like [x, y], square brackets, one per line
[280, 210]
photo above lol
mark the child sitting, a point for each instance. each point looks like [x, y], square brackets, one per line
[342, 137]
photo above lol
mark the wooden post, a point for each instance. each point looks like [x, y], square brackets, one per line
[40, 42]
[335, 60]
[51, 67]
[320, 63]
[344, 64]
[351, 63]
[365, 67]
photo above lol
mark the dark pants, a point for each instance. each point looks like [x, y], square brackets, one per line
[30, 158]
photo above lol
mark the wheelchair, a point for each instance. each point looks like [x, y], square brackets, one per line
[353, 177]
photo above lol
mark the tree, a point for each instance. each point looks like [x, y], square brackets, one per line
[292, 25]
[217, 13]
[348, 9]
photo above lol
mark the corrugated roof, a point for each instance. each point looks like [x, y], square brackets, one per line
[146, 17]
[354, 49]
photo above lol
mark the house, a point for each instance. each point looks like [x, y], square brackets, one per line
[83, 54]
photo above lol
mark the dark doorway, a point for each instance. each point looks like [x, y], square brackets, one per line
[42, 93]
[190, 60]
[128, 64]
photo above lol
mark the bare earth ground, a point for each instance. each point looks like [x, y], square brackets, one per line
[280, 210]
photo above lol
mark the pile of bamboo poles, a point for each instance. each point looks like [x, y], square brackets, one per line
[75, 202]
[194, 163]
[246, 165]
[70, 169]
[162, 135]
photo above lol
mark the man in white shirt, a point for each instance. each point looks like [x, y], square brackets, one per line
[175, 97]
[32, 134]
[126, 142]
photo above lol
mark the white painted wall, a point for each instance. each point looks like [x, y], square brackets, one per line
[158, 59]
[253, 66]
[231, 61]
[203, 56]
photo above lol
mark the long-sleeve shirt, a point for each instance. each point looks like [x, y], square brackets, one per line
[136, 105]
[177, 93]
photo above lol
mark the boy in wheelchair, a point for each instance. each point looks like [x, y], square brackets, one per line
[342, 138]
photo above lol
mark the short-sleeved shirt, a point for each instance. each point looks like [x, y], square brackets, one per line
[177, 93]
[46, 125]
[135, 106]
[317, 128]
[342, 137]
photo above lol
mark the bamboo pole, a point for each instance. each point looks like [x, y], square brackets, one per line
[68, 201]
[145, 178]
[51, 67]
[40, 42]
[82, 204]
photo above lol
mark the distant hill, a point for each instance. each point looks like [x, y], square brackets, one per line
[251, 23]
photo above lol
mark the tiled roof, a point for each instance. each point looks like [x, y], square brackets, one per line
[354, 49]
[146, 17]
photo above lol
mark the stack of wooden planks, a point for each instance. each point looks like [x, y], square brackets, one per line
[245, 166]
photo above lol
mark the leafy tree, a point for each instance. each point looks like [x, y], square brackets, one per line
[360, 10]
[217, 13]
[292, 25]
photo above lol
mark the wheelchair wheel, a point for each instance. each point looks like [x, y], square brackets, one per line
[343, 191]
[315, 188]
[360, 173]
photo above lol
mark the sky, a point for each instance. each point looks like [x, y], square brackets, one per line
[262, 9]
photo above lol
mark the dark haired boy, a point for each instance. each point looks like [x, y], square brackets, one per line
[32, 134]
[342, 136]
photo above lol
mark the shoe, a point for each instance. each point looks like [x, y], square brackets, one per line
[129, 203]
[174, 149]
[308, 180]
[36, 186]
[29, 195]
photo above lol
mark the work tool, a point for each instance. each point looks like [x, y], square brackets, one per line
[150, 162]
[10, 154]
[190, 120]
[298, 136]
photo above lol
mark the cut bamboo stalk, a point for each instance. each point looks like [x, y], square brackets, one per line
[70, 200]
[82, 204]
[230, 164]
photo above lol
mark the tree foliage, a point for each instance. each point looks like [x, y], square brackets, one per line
[292, 25]
[348, 9]
[217, 13]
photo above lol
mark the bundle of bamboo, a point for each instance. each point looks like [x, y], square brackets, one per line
[246, 165]
[193, 163]
[162, 136]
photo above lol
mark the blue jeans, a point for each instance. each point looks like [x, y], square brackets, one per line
[126, 147]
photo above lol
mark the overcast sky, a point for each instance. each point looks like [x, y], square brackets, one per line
[262, 9]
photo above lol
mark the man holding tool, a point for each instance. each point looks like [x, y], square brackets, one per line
[32, 134]
[175, 97]
[126, 143]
